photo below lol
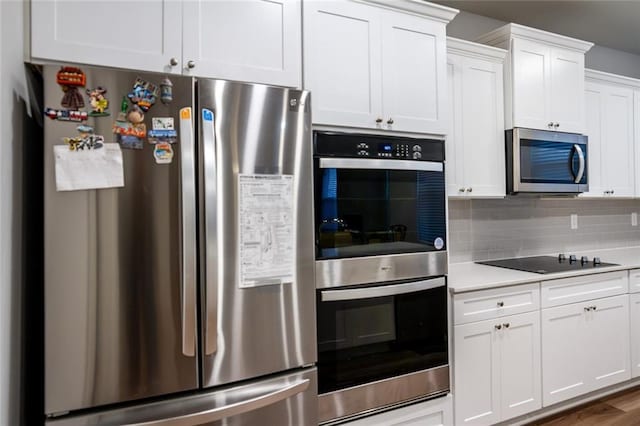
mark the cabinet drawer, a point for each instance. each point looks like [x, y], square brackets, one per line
[494, 303]
[634, 281]
[436, 412]
[588, 287]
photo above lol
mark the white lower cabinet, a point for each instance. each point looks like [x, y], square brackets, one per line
[497, 369]
[634, 307]
[435, 412]
[585, 346]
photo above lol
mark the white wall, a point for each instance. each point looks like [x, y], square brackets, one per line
[12, 94]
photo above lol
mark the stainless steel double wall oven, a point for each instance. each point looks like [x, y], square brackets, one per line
[381, 262]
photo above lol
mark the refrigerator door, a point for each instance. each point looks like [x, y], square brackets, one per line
[287, 399]
[120, 264]
[255, 135]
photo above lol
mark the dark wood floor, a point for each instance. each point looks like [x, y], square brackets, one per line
[621, 409]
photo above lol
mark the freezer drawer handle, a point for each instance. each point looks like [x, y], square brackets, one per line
[230, 410]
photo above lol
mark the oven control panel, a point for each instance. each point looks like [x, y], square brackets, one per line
[378, 147]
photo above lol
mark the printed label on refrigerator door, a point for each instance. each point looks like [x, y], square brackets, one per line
[267, 230]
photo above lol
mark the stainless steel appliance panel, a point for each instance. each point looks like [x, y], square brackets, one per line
[362, 270]
[119, 270]
[289, 399]
[250, 332]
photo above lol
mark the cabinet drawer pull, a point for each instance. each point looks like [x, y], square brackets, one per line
[506, 325]
[550, 124]
[500, 304]
[498, 326]
[556, 125]
[191, 64]
[173, 62]
[461, 190]
[390, 121]
[379, 120]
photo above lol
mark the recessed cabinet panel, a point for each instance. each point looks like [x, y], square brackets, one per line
[455, 150]
[342, 62]
[567, 86]
[476, 383]
[413, 75]
[520, 365]
[594, 102]
[530, 84]
[618, 145]
[140, 35]
[250, 40]
[634, 306]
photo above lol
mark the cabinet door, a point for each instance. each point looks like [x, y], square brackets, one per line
[413, 74]
[636, 121]
[141, 35]
[476, 376]
[595, 95]
[454, 143]
[567, 90]
[607, 344]
[564, 351]
[342, 63]
[531, 84]
[520, 365]
[483, 128]
[257, 41]
[617, 142]
[634, 300]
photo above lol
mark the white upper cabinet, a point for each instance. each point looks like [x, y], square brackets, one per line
[143, 35]
[609, 101]
[475, 135]
[373, 67]
[251, 40]
[545, 78]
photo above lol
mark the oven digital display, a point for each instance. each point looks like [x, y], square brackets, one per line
[385, 147]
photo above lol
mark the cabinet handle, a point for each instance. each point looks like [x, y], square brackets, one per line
[550, 124]
[612, 192]
[593, 308]
[461, 190]
[173, 62]
[191, 64]
[556, 125]
[498, 327]
[390, 120]
[469, 189]
[606, 192]
[506, 325]
[500, 304]
[379, 120]
[587, 308]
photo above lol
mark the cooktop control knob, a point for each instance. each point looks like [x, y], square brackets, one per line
[562, 257]
[573, 258]
[584, 260]
[596, 261]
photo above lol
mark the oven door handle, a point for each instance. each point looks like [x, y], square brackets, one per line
[381, 291]
[379, 164]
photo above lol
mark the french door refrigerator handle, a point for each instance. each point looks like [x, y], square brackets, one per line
[230, 410]
[581, 166]
[188, 200]
[211, 233]
[381, 291]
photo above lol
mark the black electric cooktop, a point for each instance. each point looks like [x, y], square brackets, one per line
[548, 264]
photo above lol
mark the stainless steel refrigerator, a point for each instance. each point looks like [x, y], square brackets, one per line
[186, 296]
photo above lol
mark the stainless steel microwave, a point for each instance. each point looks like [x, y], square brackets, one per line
[540, 161]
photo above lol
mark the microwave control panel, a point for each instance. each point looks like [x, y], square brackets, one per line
[368, 146]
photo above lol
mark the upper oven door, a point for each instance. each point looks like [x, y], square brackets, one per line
[369, 207]
[544, 161]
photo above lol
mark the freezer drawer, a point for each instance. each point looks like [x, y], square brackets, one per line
[288, 399]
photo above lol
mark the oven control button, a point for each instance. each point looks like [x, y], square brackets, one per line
[596, 261]
[417, 148]
[365, 153]
[584, 260]
[417, 156]
[573, 258]
[562, 257]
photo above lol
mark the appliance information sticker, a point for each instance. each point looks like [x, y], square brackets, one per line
[267, 230]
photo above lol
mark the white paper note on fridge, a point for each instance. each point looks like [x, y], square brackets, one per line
[88, 169]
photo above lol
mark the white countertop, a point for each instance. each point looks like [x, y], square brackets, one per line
[470, 276]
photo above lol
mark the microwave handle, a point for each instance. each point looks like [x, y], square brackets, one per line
[581, 165]
[381, 291]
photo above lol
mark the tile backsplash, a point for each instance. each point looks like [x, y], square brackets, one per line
[494, 229]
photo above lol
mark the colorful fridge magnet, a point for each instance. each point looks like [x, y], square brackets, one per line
[99, 103]
[163, 131]
[166, 91]
[86, 140]
[124, 106]
[144, 94]
[66, 115]
[70, 79]
[131, 133]
[162, 123]
[163, 153]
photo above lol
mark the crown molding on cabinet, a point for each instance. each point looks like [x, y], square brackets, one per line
[506, 32]
[600, 76]
[435, 11]
[475, 50]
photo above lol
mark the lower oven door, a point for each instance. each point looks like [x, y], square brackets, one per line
[380, 345]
